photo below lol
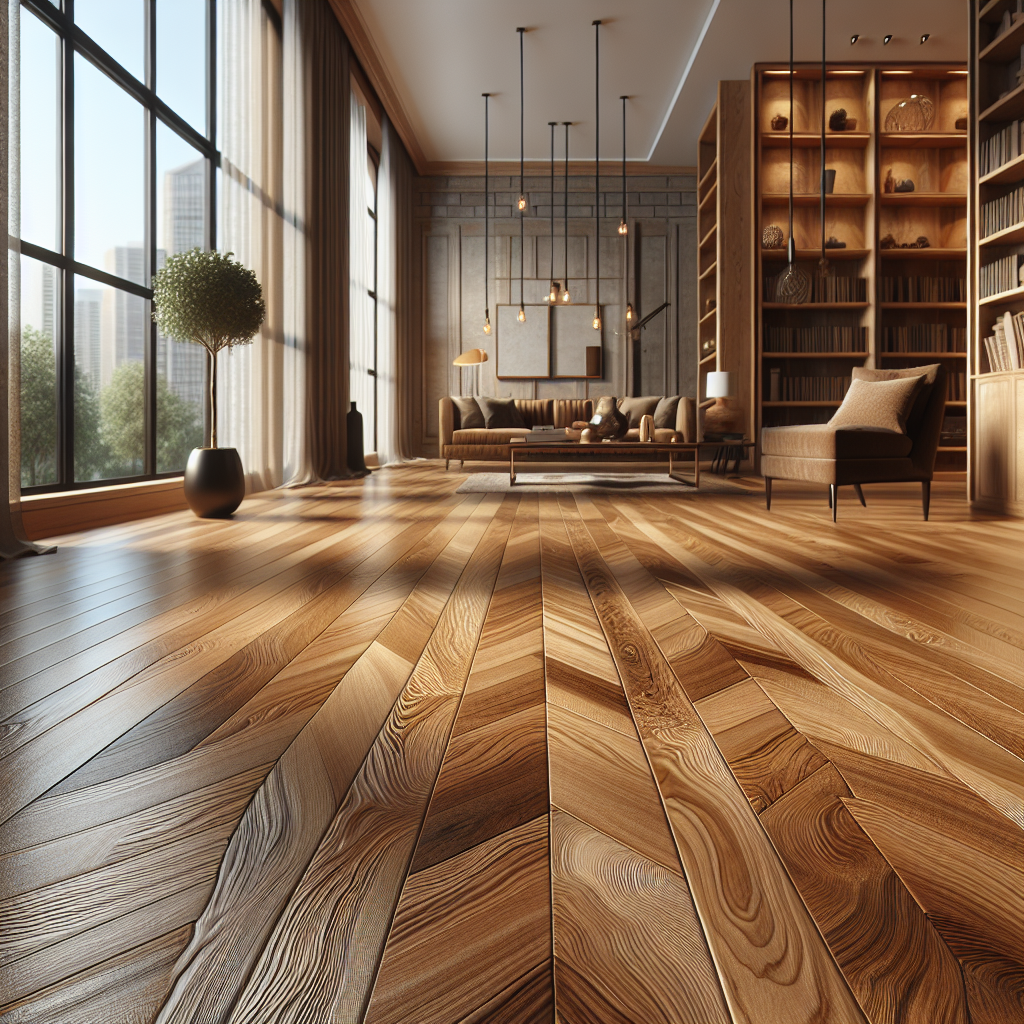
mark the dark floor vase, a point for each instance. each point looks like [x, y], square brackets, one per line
[354, 427]
[214, 482]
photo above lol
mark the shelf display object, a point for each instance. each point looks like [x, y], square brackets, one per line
[996, 358]
[896, 235]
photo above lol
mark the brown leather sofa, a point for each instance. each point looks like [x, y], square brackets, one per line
[491, 445]
[820, 453]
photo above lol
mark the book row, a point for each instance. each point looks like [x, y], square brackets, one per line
[828, 289]
[1005, 212]
[924, 289]
[812, 389]
[1001, 275]
[956, 387]
[924, 338]
[1005, 346]
[815, 339]
[1001, 148]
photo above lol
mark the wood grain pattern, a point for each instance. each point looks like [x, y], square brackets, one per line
[767, 951]
[628, 927]
[270, 768]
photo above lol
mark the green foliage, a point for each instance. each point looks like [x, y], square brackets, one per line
[209, 299]
[110, 432]
[38, 409]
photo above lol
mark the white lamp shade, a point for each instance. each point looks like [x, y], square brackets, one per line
[718, 384]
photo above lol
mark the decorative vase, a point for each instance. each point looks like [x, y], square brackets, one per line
[913, 115]
[354, 424]
[608, 423]
[830, 180]
[587, 436]
[214, 482]
[724, 417]
[647, 428]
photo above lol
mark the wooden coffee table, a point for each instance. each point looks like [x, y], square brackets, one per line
[611, 451]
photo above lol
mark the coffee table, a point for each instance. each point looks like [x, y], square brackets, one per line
[611, 451]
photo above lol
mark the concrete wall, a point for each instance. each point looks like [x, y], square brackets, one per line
[661, 262]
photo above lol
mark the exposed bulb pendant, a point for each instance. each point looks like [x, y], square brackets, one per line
[522, 196]
[487, 203]
[565, 210]
[522, 202]
[597, 175]
[522, 314]
[623, 226]
[553, 291]
[623, 229]
[629, 311]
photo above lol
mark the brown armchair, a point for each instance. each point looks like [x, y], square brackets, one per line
[822, 453]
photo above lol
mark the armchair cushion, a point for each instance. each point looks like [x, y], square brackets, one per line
[500, 412]
[884, 404]
[929, 372]
[823, 441]
[469, 415]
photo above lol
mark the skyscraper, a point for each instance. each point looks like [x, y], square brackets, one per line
[88, 336]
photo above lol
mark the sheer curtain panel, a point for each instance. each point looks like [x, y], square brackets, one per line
[362, 358]
[12, 538]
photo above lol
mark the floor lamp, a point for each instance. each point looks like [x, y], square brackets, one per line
[474, 357]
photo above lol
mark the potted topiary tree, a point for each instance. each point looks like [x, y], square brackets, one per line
[209, 299]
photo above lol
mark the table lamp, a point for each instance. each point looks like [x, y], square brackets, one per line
[474, 357]
[724, 417]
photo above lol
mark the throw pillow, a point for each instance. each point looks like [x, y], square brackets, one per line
[470, 416]
[665, 413]
[930, 374]
[500, 413]
[882, 404]
[635, 409]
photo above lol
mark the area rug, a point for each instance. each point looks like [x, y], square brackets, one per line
[597, 483]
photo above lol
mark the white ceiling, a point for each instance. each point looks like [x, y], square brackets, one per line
[666, 55]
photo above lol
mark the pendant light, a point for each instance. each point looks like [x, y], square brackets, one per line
[824, 267]
[487, 203]
[623, 228]
[522, 194]
[553, 293]
[565, 209]
[793, 284]
[597, 175]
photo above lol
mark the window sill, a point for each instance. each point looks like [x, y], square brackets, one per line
[49, 515]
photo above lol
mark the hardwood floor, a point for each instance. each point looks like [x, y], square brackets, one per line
[384, 752]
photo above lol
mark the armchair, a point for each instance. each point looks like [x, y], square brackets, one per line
[840, 455]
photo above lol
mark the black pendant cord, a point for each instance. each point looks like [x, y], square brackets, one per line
[791, 253]
[487, 203]
[597, 174]
[823, 262]
[522, 194]
[552, 262]
[623, 98]
[565, 206]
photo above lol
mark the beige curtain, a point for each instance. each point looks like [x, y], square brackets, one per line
[397, 376]
[253, 395]
[320, 68]
[12, 538]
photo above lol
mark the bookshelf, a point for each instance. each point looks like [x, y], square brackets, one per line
[996, 394]
[723, 255]
[892, 306]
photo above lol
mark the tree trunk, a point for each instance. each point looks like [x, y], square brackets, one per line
[213, 397]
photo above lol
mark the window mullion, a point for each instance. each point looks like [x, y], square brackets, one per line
[149, 350]
[66, 345]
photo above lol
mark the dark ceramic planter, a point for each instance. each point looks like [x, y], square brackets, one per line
[214, 482]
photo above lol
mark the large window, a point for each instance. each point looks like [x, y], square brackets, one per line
[117, 154]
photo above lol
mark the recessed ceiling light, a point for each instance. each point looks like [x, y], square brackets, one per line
[886, 40]
[925, 38]
[846, 73]
[776, 72]
[854, 38]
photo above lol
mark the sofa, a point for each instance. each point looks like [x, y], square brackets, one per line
[477, 443]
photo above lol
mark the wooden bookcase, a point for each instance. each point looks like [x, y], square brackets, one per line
[996, 477]
[724, 228]
[880, 313]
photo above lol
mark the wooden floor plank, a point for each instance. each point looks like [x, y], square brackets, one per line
[897, 964]
[320, 957]
[265, 862]
[768, 953]
[627, 926]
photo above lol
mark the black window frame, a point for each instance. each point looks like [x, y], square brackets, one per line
[73, 40]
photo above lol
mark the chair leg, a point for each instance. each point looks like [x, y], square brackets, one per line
[833, 499]
[860, 494]
[446, 461]
[831, 488]
[926, 496]
[768, 493]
